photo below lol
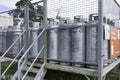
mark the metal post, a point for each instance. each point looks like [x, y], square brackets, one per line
[26, 21]
[26, 18]
[0, 69]
[45, 12]
[100, 40]
[45, 25]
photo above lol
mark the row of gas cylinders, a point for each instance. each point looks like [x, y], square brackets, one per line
[65, 43]
[9, 35]
[74, 43]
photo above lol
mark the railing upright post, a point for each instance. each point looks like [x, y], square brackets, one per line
[100, 40]
[26, 20]
[26, 23]
[45, 33]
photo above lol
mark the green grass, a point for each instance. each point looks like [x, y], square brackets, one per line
[11, 70]
[114, 74]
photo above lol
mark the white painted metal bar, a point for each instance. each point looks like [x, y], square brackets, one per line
[45, 26]
[33, 62]
[19, 70]
[12, 62]
[41, 73]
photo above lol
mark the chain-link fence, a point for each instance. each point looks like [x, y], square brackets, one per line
[71, 8]
[111, 12]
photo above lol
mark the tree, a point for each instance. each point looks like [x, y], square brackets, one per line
[33, 14]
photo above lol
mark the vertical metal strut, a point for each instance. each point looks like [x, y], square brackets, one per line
[100, 40]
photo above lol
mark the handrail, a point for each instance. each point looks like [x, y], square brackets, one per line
[30, 47]
[19, 70]
[10, 10]
[19, 62]
[11, 46]
[33, 62]
[12, 62]
[36, 77]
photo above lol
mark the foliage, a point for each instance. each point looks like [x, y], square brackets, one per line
[32, 13]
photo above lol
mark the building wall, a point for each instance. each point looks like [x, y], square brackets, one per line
[6, 20]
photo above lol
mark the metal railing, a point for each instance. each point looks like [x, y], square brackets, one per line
[41, 72]
[26, 53]
[33, 63]
[14, 60]
[12, 45]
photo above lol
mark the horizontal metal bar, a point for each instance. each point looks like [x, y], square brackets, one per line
[10, 10]
[57, 60]
[71, 69]
[37, 2]
[10, 31]
[23, 30]
[69, 61]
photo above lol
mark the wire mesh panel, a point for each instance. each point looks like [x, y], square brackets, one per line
[111, 13]
[71, 8]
